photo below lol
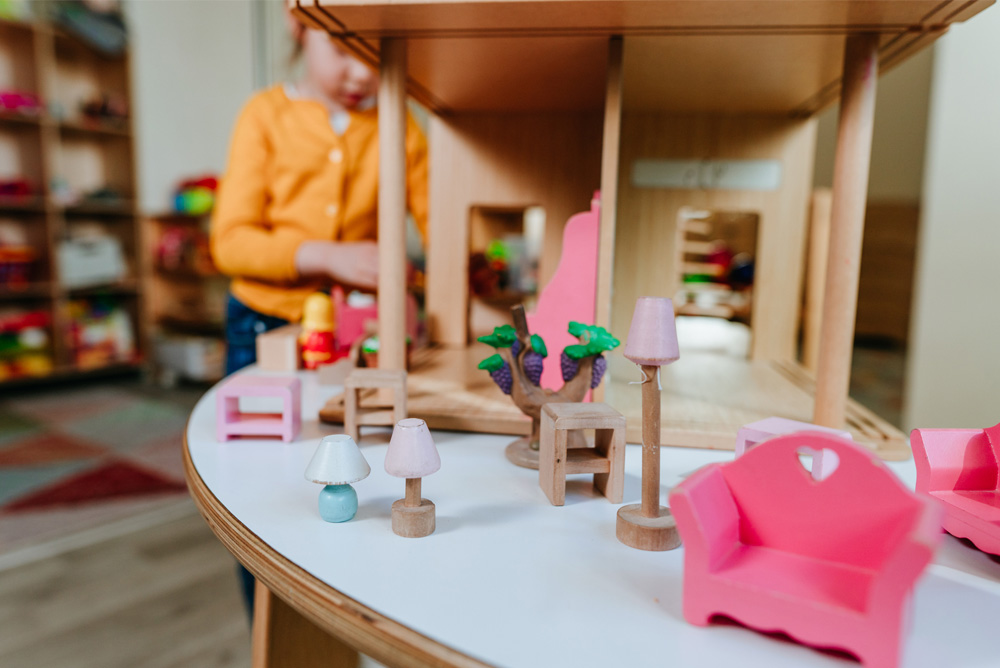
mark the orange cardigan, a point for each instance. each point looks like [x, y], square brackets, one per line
[292, 178]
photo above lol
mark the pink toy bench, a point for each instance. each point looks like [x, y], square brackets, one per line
[229, 421]
[832, 563]
[960, 467]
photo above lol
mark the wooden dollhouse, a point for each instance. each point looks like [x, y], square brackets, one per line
[537, 102]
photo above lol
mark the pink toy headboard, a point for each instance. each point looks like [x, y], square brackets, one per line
[571, 294]
[843, 518]
[956, 459]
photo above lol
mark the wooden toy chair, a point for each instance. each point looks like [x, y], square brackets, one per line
[960, 468]
[831, 562]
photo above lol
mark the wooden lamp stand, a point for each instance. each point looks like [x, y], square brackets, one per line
[652, 343]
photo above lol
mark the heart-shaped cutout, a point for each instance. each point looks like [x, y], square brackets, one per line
[819, 463]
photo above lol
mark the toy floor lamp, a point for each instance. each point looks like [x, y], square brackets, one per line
[652, 343]
[412, 455]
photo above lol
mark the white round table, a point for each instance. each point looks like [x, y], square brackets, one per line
[508, 579]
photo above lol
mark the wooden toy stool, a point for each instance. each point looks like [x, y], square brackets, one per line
[606, 460]
[229, 421]
[356, 415]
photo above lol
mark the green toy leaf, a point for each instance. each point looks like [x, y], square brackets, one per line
[576, 351]
[492, 363]
[577, 328]
[502, 337]
[538, 345]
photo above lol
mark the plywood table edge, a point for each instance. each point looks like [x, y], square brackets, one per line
[362, 628]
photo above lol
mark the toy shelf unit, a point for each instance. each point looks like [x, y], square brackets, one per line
[185, 298]
[70, 295]
[544, 102]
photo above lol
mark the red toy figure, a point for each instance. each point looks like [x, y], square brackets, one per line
[316, 339]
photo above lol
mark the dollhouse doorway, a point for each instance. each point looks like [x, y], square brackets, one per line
[505, 245]
[716, 258]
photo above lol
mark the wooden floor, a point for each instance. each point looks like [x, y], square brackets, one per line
[163, 597]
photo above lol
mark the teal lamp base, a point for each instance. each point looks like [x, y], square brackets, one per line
[338, 503]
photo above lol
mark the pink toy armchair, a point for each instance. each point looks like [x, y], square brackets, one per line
[831, 563]
[959, 467]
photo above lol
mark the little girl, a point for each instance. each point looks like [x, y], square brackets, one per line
[297, 207]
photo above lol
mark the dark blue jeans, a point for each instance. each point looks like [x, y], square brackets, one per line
[243, 324]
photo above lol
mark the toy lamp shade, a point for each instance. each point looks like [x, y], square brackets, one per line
[652, 337]
[412, 453]
[337, 461]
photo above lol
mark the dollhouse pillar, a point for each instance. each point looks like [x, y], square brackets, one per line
[392, 204]
[850, 191]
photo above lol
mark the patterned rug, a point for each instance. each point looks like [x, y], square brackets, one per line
[75, 458]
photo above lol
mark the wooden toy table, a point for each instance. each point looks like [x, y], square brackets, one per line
[508, 579]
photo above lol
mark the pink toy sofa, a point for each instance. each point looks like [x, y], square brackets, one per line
[959, 467]
[832, 562]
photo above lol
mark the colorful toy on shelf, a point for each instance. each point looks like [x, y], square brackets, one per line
[105, 109]
[100, 333]
[183, 248]
[337, 464]
[357, 415]
[316, 340]
[832, 563]
[750, 435]
[651, 343]
[231, 421]
[959, 468]
[196, 197]
[20, 102]
[15, 266]
[517, 369]
[16, 188]
[606, 460]
[24, 344]
[412, 455]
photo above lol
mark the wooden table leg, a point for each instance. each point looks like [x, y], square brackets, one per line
[282, 638]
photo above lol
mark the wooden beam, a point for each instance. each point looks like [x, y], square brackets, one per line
[819, 242]
[847, 221]
[611, 140]
[392, 205]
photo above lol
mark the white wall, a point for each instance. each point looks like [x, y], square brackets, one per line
[900, 131]
[192, 70]
[954, 364]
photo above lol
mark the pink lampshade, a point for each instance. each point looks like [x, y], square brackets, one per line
[412, 453]
[652, 338]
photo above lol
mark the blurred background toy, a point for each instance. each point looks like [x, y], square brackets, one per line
[317, 340]
[24, 344]
[196, 197]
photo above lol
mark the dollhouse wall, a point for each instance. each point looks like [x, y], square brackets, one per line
[645, 253]
[546, 159]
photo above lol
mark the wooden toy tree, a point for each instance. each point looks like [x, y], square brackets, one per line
[517, 369]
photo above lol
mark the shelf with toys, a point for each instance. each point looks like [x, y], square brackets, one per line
[68, 223]
[185, 293]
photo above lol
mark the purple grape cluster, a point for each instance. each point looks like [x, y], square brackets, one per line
[600, 366]
[514, 348]
[533, 364]
[569, 366]
[503, 378]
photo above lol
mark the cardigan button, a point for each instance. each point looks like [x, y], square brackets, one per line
[332, 210]
[336, 155]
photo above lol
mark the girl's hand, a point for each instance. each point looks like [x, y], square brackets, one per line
[353, 263]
